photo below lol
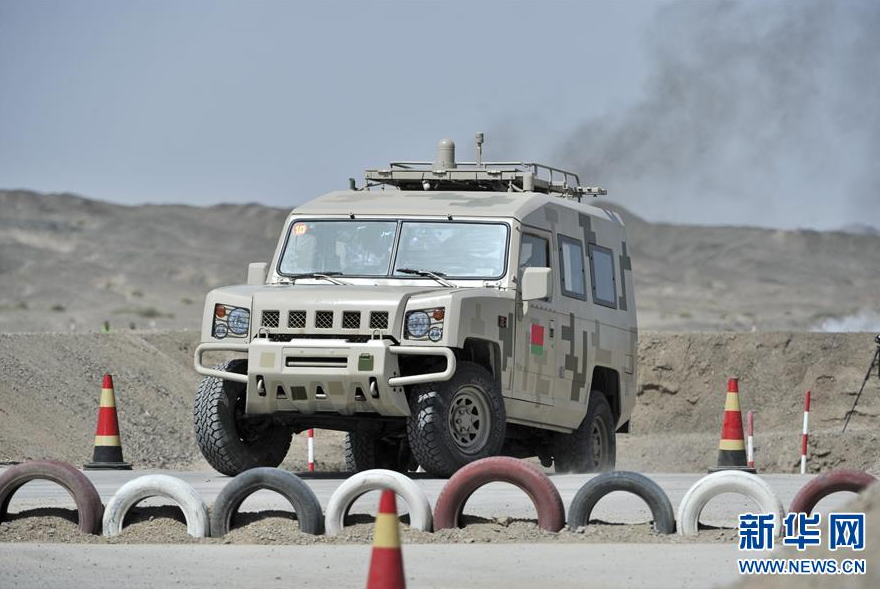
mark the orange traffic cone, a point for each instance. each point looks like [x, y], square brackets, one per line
[386, 565]
[732, 448]
[108, 449]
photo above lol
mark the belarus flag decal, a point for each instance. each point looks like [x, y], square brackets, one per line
[537, 340]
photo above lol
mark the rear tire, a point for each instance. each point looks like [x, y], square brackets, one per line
[592, 446]
[456, 422]
[227, 442]
[365, 452]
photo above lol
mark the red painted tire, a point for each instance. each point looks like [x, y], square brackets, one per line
[826, 484]
[88, 502]
[503, 469]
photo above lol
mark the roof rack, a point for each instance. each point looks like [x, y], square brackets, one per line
[447, 174]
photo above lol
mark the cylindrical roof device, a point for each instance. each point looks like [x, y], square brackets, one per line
[445, 155]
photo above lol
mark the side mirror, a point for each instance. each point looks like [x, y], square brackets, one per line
[257, 272]
[537, 283]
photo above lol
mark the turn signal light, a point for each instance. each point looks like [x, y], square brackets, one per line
[438, 314]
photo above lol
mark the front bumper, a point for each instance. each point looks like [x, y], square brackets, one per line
[311, 376]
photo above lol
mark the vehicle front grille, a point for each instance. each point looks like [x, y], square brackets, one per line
[351, 320]
[296, 319]
[270, 319]
[324, 319]
[379, 320]
[291, 337]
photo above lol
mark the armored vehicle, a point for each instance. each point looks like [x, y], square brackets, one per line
[441, 313]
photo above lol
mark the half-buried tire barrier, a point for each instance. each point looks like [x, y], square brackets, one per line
[420, 517]
[157, 485]
[727, 481]
[823, 485]
[303, 500]
[632, 482]
[500, 469]
[81, 489]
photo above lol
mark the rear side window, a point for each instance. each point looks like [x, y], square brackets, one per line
[571, 258]
[602, 276]
[533, 253]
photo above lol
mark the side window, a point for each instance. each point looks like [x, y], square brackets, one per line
[533, 252]
[602, 276]
[571, 258]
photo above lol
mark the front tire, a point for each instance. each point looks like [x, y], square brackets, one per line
[455, 422]
[230, 444]
[592, 447]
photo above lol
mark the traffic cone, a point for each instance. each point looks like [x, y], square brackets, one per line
[732, 448]
[108, 449]
[386, 565]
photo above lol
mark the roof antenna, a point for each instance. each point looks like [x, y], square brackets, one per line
[479, 150]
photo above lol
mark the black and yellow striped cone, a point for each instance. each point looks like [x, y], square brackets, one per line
[108, 448]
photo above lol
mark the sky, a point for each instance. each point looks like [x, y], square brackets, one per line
[750, 113]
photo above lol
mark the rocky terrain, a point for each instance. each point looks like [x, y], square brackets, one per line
[49, 396]
[70, 263]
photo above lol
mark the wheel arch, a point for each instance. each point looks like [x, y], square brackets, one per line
[607, 381]
[482, 352]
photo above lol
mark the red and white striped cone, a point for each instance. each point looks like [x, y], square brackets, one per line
[108, 447]
[386, 564]
[805, 435]
[732, 447]
[311, 446]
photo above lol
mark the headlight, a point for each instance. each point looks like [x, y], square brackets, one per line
[436, 334]
[418, 323]
[239, 321]
[230, 321]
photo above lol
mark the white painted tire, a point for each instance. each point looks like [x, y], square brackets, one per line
[727, 481]
[157, 485]
[420, 516]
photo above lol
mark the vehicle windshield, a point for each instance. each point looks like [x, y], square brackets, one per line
[367, 248]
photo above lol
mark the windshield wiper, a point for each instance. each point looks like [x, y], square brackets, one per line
[438, 276]
[325, 275]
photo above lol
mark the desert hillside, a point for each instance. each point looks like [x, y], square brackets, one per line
[70, 263]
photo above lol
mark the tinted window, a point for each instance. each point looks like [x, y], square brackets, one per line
[602, 276]
[571, 257]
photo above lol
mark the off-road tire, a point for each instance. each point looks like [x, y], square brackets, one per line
[365, 452]
[576, 452]
[432, 442]
[218, 433]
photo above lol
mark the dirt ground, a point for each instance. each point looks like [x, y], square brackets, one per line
[49, 397]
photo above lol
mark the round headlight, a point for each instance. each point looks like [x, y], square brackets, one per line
[239, 321]
[435, 334]
[418, 323]
[220, 331]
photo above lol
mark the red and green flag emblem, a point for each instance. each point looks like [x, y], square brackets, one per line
[537, 340]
